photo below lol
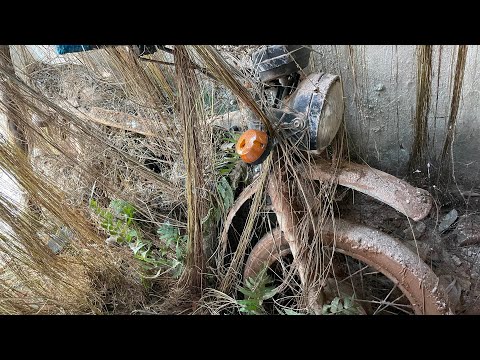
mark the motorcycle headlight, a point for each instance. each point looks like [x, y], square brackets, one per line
[320, 97]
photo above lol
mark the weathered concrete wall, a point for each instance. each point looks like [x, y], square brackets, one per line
[380, 87]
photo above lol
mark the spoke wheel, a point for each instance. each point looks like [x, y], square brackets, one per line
[376, 270]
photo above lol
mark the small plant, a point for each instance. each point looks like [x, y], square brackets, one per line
[226, 186]
[118, 221]
[338, 306]
[227, 157]
[170, 235]
[255, 292]
[225, 200]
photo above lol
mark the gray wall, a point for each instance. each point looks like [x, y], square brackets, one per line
[380, 89]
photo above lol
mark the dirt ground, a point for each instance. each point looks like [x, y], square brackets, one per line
[448, 240]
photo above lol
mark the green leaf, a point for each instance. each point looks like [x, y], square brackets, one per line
[122, 209]
[246, 292]
[131, 233]
[347, 302]
[339, 307]
[255, 291]
[249, 307]
[93, 204]
[137, 246]
[334, 304]
[146, 252]
[221, 189]
[168, 233]
[255, 284]
[292, 312]
[226, 192]
[179, 252]
[269, 293]
[325, 309]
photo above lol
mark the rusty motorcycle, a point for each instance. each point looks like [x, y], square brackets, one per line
[308, 109]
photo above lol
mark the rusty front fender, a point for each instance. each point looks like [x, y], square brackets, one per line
[400, 195]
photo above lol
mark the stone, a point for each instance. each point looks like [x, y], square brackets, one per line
[447, 221]
[112, 240]
[379, 87]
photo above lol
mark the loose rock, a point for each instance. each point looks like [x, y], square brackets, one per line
[447, 221]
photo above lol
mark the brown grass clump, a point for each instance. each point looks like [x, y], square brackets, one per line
[109, 125]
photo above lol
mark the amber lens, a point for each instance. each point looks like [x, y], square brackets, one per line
[251, 145]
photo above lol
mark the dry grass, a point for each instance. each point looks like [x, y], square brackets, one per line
[76, 157]
[45, 282]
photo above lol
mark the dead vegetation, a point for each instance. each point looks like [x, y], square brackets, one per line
[147, 151]
[108, 126]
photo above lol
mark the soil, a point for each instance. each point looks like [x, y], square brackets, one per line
[453, 254]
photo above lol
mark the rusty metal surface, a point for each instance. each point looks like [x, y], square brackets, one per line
[283, 205]
[311, 100]
[375, 248]
[246, 194]
[403, 197]
[274, 61]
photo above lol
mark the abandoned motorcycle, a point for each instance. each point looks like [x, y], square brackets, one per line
[379, 272]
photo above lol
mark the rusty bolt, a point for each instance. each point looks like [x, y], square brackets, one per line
[298, 123]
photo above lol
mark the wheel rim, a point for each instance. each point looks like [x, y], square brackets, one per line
[413, 278]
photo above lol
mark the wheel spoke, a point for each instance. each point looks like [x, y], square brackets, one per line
[347, 276]
[384, 300]
[382, 305]
[355, 273]
[400, 307]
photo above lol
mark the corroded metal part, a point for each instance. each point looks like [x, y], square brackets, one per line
[320, 98]
[403, 197]
[375, 248]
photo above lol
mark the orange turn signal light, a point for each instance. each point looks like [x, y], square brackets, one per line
[251, 145]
